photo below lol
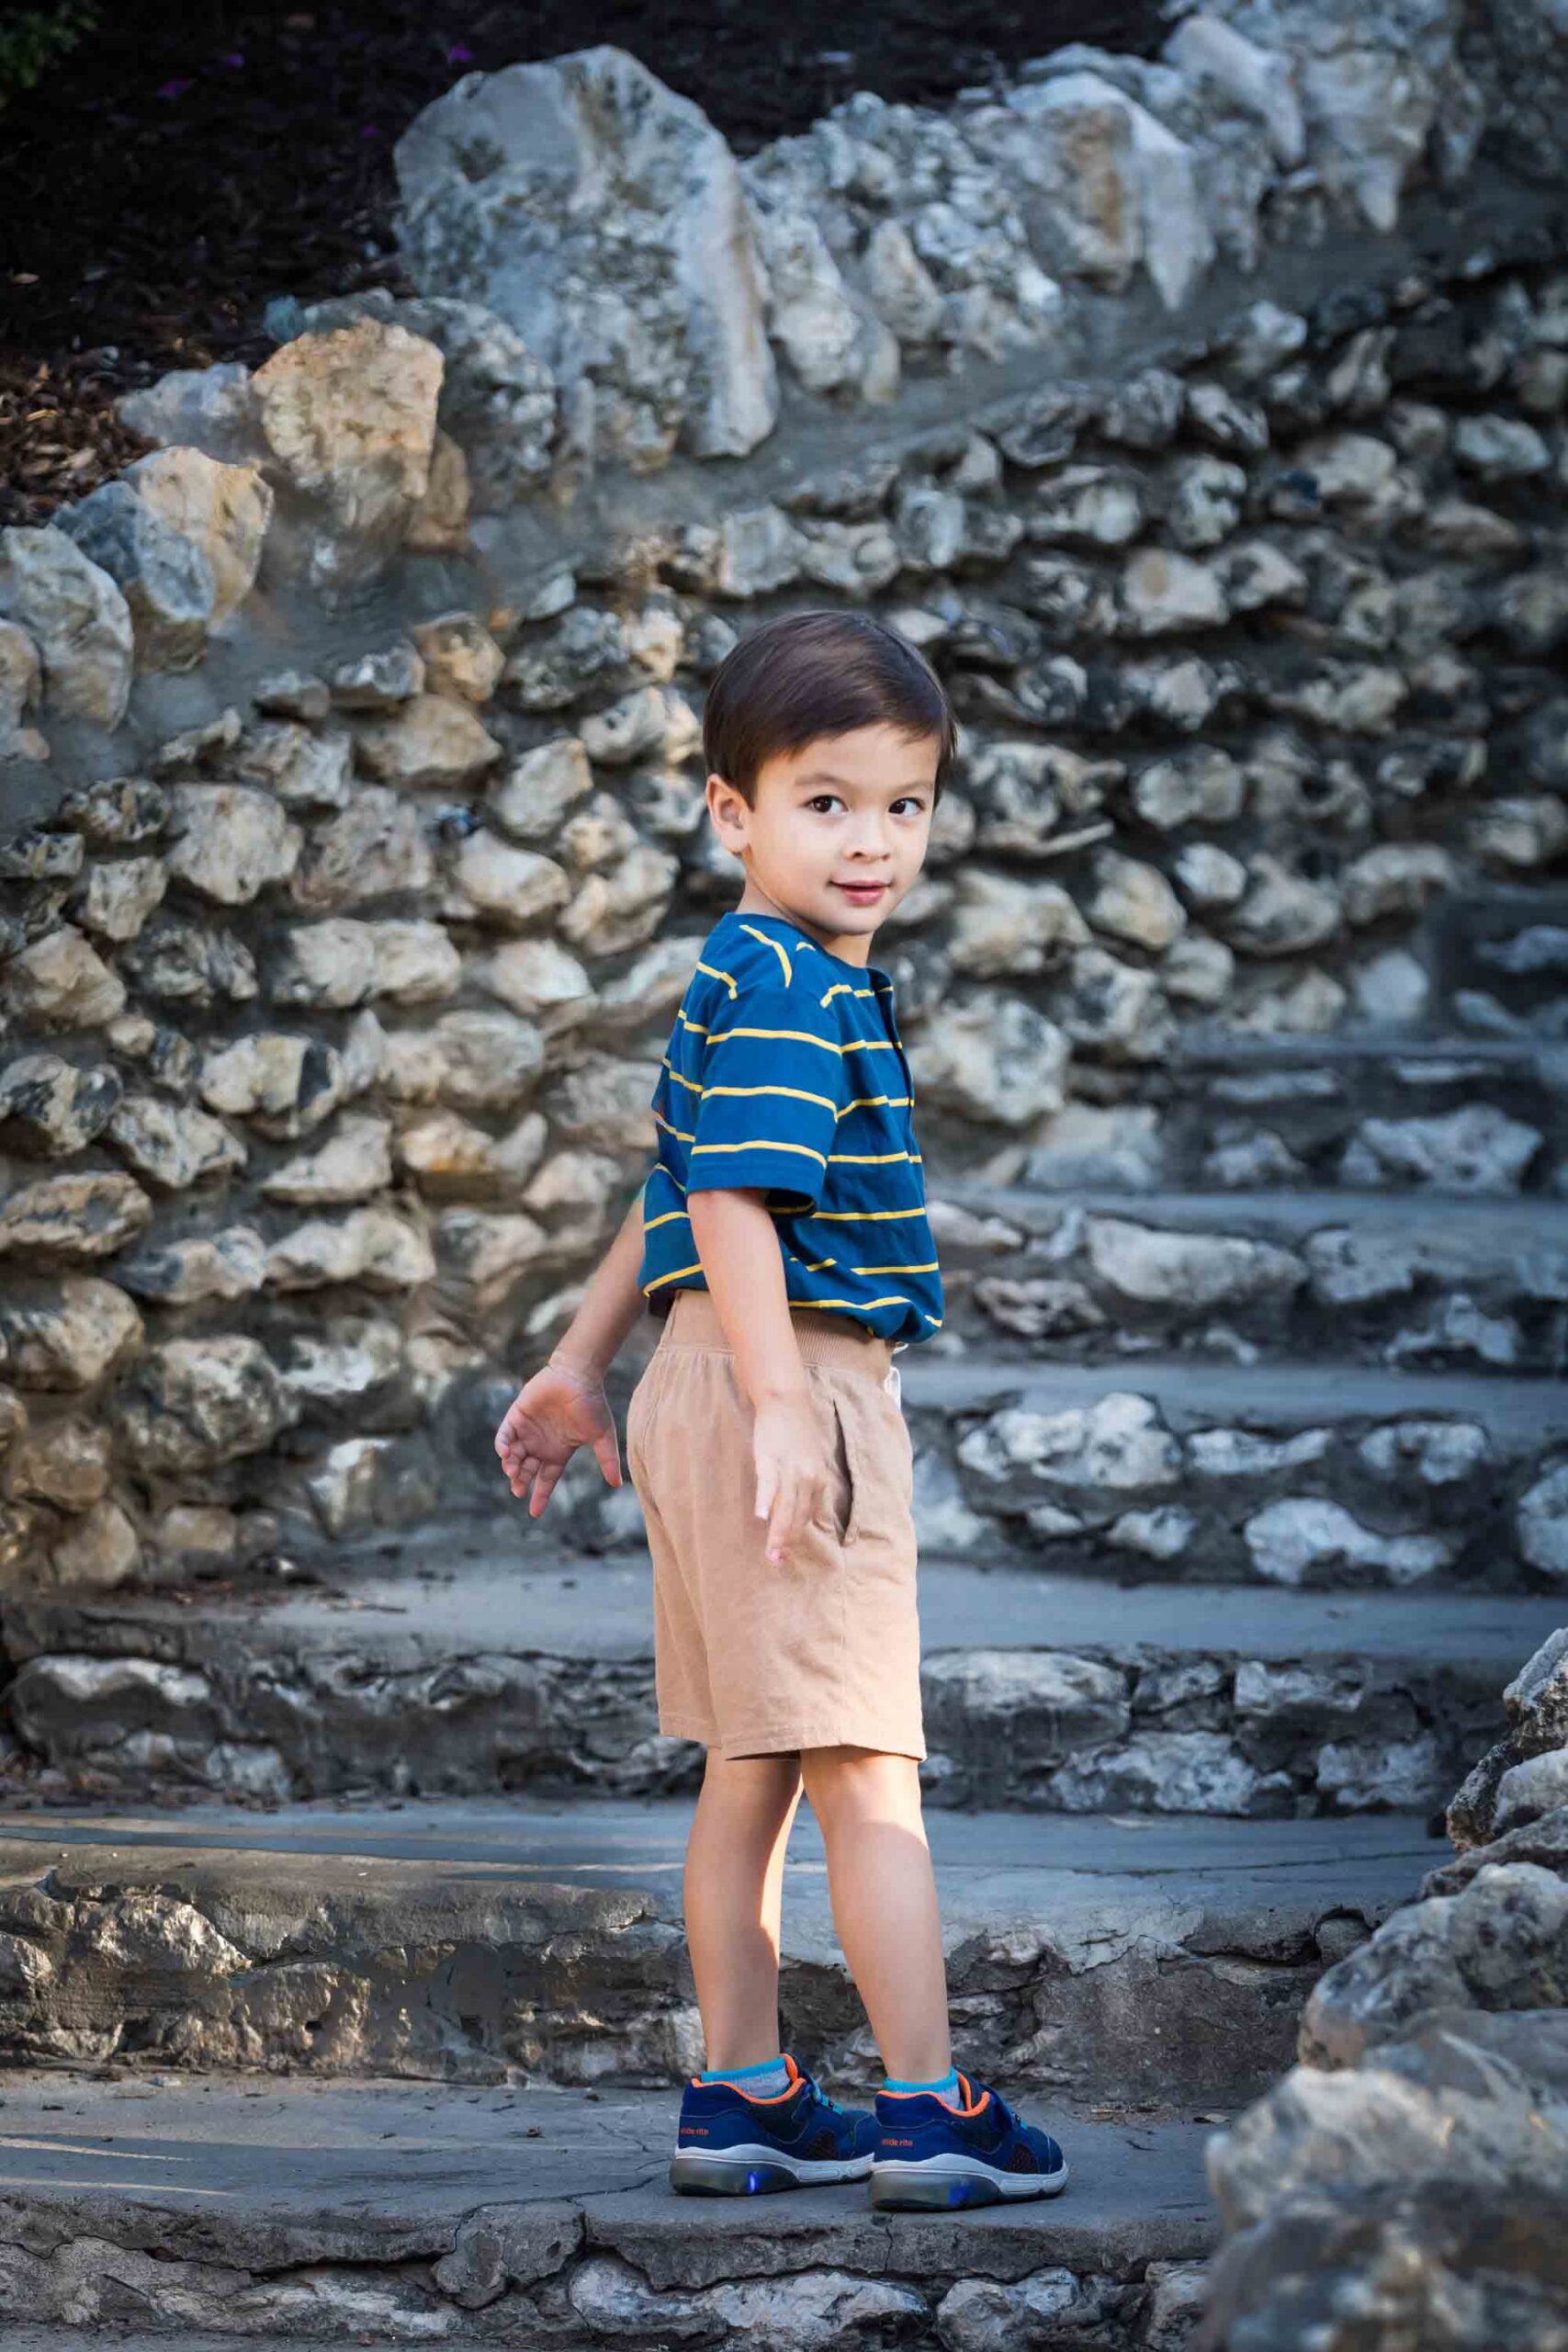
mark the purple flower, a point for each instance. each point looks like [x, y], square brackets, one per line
[457, 55]
[172, 89]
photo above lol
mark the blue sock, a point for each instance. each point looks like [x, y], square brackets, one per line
[946, 2086]
[764, 2080]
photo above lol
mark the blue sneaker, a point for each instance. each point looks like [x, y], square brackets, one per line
[732, 2145]
[931, 2152]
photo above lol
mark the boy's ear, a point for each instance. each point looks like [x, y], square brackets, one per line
[727, 806]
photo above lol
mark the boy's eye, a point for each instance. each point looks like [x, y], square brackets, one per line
[904, 800]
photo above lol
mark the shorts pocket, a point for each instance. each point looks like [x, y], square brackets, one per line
[637, 1405]
[840, 1505]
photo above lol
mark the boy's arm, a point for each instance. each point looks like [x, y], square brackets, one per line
[610, 1305]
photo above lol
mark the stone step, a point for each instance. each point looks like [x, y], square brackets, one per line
[1295, 1474]
[1159, 1466]
[1041, 1690]
[1471, 1283]
[1408, 1114]
[391, 2213]
[1500, 955]
[1121, 1958]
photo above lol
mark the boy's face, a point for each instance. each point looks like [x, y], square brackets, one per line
[839, 831]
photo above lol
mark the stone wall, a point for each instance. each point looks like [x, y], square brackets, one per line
[356, 855]
[1407, 2183]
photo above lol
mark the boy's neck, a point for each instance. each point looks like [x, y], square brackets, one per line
[851, 946]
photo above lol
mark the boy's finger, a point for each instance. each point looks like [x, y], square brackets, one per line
[767, 1484]
[607, 1453]
[544, 1487]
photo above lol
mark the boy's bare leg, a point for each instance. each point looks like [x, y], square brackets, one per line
[734, 1894]
[883, 1891]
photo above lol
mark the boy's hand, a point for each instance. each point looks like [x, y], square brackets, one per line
[791, 1475]
[554, 1413]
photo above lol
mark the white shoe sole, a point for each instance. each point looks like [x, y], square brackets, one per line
[747, 2171]
[954, 2179]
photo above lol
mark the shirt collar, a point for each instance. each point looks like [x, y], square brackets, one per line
[874, 972]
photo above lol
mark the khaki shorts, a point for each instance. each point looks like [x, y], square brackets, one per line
[823, 1650]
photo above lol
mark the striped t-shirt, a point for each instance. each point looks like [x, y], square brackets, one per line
[785, 1071]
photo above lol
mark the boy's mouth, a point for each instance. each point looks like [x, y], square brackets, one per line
[862, 894]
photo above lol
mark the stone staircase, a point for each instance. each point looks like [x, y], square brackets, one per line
[341, 1978]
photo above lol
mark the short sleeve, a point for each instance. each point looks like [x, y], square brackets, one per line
[772, 1082]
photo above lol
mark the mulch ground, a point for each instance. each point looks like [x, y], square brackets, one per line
[182, 166]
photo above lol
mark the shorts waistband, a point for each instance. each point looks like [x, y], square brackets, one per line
[825, 1335]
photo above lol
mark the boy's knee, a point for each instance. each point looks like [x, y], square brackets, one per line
[855, 1777]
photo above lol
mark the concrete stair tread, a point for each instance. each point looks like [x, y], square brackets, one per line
[1192, 1394]
[1159, 1963]
[1475, 1227]
[261, 2173]
[1083, 1869]
[601, 1608]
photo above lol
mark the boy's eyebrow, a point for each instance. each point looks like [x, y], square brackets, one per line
[826, 776]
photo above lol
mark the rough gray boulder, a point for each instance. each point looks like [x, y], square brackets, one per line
[601, 217]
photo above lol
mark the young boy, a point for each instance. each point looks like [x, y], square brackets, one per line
[782, 1233]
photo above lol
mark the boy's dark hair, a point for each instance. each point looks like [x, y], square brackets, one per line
[821, 672]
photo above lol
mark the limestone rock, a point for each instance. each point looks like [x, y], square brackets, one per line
[98, 1551]
[511, 888]
[430, 740]
[120, 814]
[230, 840]
[371, 1246]
[537, 977]
[167, 581]
[374, 848]
[118, 897]
[1542, 1523]
[446, 1154]
[73, 1217]
[1283, 912]
[214, 409]
[65, 1462]
[1309, 1540]
[532, 799]
[381, 680]
[1498, 1944]
[1134, 901]
[21, 679]
[76, 616]
[992, 1058]
[654, 721]
[192, 1404]
[1477, 1149]
[62, 982]
[1188, 1270]
[349, 418]
[227, 1265]
[171, 1145]
[498, 397]
[307, 769]
[1003, 926]
[354, 1162]
[222, 511]
[624, 907]
[1114, 1445]
[439, 523]
[460, 656]
[488, 1060]
[292, 694]
[608, 226]
[53, 1108]
[68, 1338]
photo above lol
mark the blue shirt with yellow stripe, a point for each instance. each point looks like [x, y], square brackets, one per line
[785, 1071]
